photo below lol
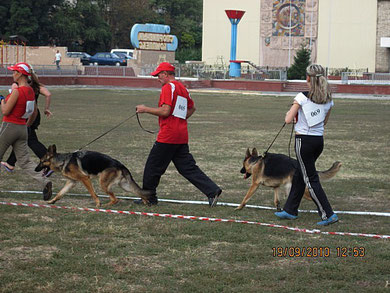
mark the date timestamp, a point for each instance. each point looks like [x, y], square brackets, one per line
[318, 251]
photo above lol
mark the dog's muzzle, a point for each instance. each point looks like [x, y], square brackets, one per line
[39, 167]
[243, 171]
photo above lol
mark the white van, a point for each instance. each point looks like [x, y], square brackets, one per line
[127, 52]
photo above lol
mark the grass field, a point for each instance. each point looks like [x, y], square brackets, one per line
[52, 250]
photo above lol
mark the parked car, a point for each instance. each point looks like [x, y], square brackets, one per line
[123, 55]
[106, 58]
[84, 57]
[127, 52]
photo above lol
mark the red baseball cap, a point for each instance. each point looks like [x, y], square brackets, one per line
[21, 67]
[164, 66]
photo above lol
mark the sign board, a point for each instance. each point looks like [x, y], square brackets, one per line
[385, 42]
[151, 36]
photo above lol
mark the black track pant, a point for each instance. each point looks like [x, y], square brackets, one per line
[38, 148]
[159, 158]
[308, 148]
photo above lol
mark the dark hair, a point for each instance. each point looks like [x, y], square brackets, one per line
[34, 82]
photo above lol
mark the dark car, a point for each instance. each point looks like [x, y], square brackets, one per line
[122, 55]
[107, 59]
[84, 57]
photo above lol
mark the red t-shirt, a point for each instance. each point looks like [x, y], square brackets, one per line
[173, 130]
[26, 93]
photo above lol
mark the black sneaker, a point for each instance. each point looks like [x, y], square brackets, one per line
[47, 191]
[214, 199]
[152, 202]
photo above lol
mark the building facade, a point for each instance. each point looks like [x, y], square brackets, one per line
[340, 33]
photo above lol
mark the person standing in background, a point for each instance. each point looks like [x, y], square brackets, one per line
[57, 59]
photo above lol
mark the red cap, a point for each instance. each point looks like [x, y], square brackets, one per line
[21, 67]
[165, 66]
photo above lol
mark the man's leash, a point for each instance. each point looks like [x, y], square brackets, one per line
[100, 136]
[140, 125]
[116, 126]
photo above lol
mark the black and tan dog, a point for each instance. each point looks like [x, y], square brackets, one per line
[275, 170]
[82, 165]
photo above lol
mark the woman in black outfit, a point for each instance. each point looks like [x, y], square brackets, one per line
[311, 111]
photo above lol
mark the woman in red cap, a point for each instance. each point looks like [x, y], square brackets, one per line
[33, 142]
[18, 106]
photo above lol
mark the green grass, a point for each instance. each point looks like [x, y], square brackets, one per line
[51, 250]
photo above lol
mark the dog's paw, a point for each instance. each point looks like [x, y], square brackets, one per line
[239, 208]
[51, 201]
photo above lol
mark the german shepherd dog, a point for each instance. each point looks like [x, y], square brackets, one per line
[275, 170]
[82, 165]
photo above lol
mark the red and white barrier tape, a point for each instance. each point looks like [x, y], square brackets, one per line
[314, 231]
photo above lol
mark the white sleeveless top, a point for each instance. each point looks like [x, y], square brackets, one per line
[311, 116]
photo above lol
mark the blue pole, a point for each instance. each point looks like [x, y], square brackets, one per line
[235, 68]
[233, 46]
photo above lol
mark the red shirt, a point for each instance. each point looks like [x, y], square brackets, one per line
[26, 93]
[173, 130]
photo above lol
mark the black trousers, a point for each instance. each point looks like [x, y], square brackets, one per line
[37, 147]
[159, 158]
[308, 148]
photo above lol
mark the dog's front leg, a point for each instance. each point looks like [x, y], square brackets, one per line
[248, 195]
[68, 185]
[88, 184]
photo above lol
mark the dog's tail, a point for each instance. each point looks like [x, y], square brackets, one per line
[330, 173]
[325, 175]
[127, 183]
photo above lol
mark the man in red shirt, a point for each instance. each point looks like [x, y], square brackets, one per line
[174, 108]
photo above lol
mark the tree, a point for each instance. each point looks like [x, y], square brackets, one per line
[301, 62]
[121, 15]
[185, 19]
[31, 19]
[80, 26]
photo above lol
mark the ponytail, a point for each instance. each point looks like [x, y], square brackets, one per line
[319, 92]
[34, 82]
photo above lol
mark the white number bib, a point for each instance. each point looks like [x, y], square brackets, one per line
[314, 113]
[29, 109]
[180, 110]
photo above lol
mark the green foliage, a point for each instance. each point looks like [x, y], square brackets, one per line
[187, 40]
[185, 54]
[301, 62]
[92, 26]
[184, 17]
[81, 24]
[31, 19]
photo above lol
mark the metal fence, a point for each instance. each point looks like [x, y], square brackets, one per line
[365, 78]
[202, 71]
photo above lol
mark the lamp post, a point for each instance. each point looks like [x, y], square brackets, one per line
[234, 17]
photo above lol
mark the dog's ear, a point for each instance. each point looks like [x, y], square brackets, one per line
[248, 153]
[254, 153]
[52, 149]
